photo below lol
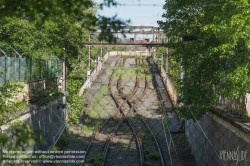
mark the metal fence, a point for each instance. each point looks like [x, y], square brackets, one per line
[28, 69]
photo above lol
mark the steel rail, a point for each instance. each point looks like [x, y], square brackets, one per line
[98, 131]
[155, 141]
[139, 144]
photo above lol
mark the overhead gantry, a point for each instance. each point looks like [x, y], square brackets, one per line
[157, 41]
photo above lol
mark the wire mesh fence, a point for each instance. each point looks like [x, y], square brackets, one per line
[127, 119]
[27, 69]
[128, 113]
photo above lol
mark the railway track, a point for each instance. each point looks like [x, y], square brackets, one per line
[125, 119]
[122, 126]
[109, 121]
[152, 151]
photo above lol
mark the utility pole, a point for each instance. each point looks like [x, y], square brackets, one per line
[167, 59]
[89, 66]
[108, 52]
[64, 78]
[116, 42]
[161, 62]
[101, 51]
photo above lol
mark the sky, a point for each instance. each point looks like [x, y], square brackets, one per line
[139, 15]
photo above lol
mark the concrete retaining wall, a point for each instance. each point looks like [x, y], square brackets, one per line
[98, 68]
[49, 119]
[213, 139]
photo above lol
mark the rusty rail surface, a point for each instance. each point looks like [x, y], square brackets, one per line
[99, 130]
[124, 117]
[126, 99]
[155, 141]
[113, 114]
[144, 122]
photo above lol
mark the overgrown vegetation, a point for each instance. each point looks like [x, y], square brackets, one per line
[151, 155]
[100, 108]
[127, 73]
[184, 150]
[24, 135]
[96, 159]
[63, 142]
[91, 125]
[214, 50]
[75, 103]
[9, 104]
[40, 34]
[173, 66]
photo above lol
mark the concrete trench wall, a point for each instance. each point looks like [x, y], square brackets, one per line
[98, 68]
[48, 119]
[212, 136]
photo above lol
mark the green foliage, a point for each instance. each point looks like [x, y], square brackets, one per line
[151, 155]
[20, 137]
[144, 163]
[91, 125]
[8, 104]
[83, 12]
[64, 140]
[46, 30]
[173, 66]
[141, 71]
[96, 159]
[100, 107]
[40, 98]
[214, 49]
[74, 101]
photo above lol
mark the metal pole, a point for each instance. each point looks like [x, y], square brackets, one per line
[153, 34]
[181, 77]
[89, 65]
[101, 52]
[64, 71]
[161, 62]
[108, 52]
[5, 66]
[64, 84]
[5, 70]
[19, 69]
[116, 42]
[167, 58]
[89, 52]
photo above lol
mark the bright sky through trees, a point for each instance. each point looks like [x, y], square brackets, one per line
[139, 15]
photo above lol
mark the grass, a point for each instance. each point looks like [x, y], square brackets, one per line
[151, 155]
[63, 142]
[184, 150]
[130, 72]
[101, 104]
[96, 159]
[144, 163]
[90, 125]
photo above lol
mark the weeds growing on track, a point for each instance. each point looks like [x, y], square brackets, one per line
[127, 73]
[90, 125]
[184, 149]
[96, 159]
[100, 108]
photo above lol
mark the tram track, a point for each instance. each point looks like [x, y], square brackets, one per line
[118, 117]
[114, 114]
[125, 119]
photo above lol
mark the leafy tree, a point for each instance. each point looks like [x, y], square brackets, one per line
[23, 36]
[39, 29]
[214, 50]
[40, 11]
